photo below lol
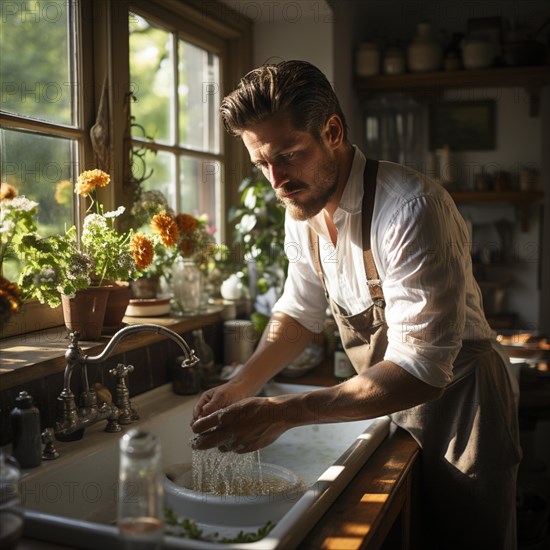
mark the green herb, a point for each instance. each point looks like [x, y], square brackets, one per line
[187, 528]
[244, 536]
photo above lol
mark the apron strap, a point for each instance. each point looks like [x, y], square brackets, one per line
[373, 279]
[369, 192]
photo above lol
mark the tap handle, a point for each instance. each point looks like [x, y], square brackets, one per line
[121, 370]
[49, 452]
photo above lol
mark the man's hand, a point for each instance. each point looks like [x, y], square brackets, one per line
[218, 398]
[242, 427]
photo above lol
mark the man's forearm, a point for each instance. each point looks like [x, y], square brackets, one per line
[382, 389]
[282, 341]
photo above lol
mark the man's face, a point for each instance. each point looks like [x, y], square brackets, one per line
[302, 170]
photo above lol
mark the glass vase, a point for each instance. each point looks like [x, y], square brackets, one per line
[186, 286]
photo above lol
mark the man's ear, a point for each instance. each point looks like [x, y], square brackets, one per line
[333, 131]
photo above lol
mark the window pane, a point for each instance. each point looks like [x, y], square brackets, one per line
[36, 69]
[199, 98]
[161, 166]
[151, 79]
[41, 168]
[199, 181]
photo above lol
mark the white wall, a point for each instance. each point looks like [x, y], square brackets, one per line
[308, 39]
[284, 30]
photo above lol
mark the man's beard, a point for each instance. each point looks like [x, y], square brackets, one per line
[320, 193]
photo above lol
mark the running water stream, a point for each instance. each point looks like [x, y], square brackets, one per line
[227, 473]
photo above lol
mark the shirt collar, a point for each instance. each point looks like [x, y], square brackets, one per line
[353, 192]
[351, 200]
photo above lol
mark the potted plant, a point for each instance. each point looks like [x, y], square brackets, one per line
[79, 273]
[259, 237]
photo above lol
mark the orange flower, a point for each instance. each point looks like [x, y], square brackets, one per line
[186, 223]
[10, 299]
[89, 180]
[166, 227]
[7, 192]
[142, 250]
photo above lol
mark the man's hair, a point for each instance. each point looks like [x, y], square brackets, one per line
[296, 87]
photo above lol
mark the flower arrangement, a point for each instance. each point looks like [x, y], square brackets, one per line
[156, 237]
[64, 264]
[196, 240]
[16, 220]
[171, 235]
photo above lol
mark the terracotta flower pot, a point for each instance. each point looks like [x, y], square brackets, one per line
[117, 302]
[85, 312]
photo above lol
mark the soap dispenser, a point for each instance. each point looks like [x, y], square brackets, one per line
[27, 436]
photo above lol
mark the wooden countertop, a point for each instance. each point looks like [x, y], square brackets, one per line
[375, 506]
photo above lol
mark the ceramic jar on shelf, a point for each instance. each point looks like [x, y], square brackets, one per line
[478, 52]
[394, 61]
[367, 59]
[424, 53]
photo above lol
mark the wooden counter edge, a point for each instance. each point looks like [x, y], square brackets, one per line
[365, 512]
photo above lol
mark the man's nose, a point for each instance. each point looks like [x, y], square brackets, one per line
[277, 176]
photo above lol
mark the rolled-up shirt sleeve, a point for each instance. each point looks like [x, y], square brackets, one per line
[424, 287]
[303, 297]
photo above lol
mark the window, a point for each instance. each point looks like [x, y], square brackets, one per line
[176, 90]
[42, 131]
[57, 60]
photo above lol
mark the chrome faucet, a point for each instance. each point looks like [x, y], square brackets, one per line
[70, 419]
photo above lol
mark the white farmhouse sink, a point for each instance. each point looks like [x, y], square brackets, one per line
[72, 500]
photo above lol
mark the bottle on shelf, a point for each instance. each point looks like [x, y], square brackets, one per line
[343, 369]
[27, 436]
[140, 492]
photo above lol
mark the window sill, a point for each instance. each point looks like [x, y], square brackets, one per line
[38, 354]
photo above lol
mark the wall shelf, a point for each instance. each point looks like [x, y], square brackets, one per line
[432, 84]
[522, 200]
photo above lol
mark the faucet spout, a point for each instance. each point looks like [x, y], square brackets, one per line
[72, 419]
[190, 357]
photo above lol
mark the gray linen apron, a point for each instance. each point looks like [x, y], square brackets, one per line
[469, 437]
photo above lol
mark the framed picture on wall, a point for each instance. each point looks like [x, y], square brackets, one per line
[463, 125]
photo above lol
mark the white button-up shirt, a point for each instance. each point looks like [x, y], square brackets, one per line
[421, 249]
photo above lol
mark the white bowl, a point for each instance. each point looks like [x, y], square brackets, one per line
[230, 510]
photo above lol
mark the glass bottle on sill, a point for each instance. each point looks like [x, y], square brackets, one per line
[186, 286]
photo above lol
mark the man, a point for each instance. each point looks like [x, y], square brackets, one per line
[389, 250]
